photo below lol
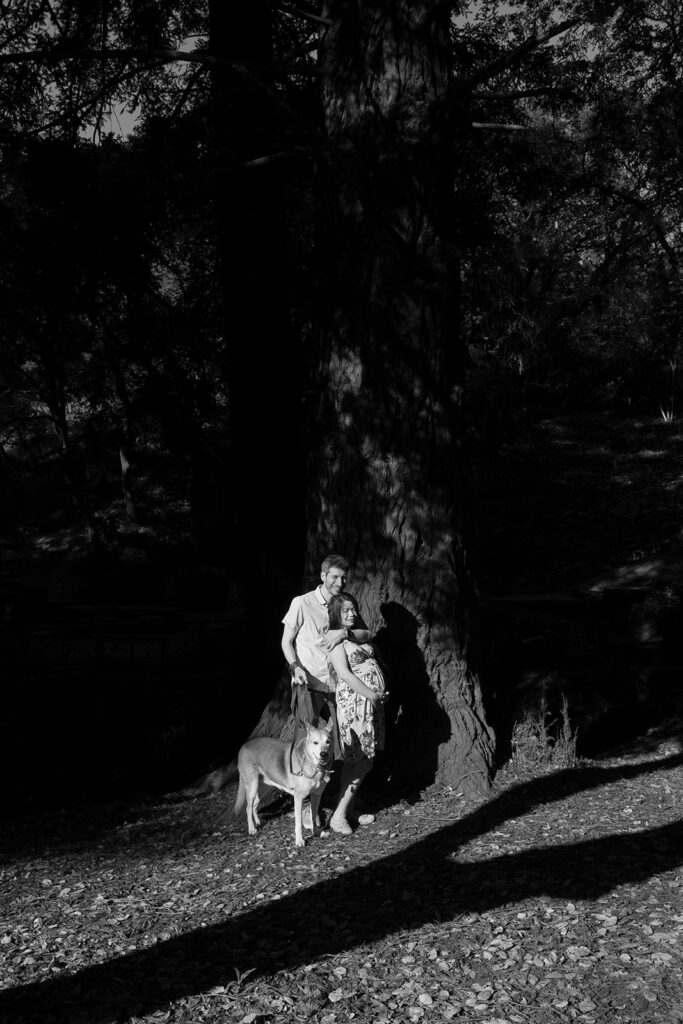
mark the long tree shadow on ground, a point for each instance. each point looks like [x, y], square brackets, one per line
[402, 891]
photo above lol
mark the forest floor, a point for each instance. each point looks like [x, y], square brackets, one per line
[558, 897]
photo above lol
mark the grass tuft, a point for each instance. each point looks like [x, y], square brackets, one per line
[541, 741]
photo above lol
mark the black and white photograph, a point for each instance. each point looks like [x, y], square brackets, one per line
[341, 512]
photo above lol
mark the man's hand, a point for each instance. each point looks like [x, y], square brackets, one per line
[334, 637]
[298, 676]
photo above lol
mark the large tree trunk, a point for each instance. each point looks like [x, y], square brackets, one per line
[388, 486]
[266, 533]
[387, 483]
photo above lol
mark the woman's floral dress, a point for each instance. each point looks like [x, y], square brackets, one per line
[361, 726]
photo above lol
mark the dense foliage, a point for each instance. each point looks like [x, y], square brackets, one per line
[566, 213]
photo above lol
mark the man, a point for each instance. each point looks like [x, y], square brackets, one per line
[306, 642]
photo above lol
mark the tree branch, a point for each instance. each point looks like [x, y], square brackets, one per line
[650, 218]
[520, 94]
[59, 53]
[301, 50]
[293, 153]
[516, 55]
[186, 92]
[93, 99]
[266, 161]
[152, 57]
[494, 126]
[307, 16]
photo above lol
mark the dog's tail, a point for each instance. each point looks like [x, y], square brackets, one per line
[228, 813]
[240, 800]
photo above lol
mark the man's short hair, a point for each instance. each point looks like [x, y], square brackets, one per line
[334, 562]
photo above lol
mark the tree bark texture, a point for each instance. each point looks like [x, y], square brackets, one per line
[387, 483]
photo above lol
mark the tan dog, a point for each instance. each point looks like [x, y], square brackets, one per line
[301, 769]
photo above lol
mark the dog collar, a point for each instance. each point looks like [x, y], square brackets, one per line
[317, 768]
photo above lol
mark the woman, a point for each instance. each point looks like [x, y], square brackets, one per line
[360, 694]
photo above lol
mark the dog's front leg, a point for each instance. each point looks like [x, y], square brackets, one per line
[315, 804]
[298, 820]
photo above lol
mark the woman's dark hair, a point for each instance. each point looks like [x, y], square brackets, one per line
[334, 607]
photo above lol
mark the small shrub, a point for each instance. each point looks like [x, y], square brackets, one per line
[541, 742]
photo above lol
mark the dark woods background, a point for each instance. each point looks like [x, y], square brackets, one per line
[180, 209]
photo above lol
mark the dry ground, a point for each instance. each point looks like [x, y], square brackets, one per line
[557, 898]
